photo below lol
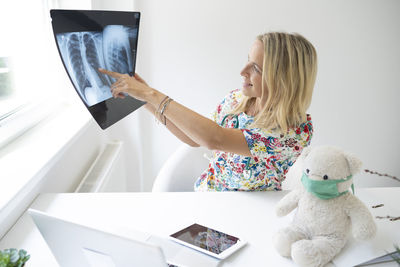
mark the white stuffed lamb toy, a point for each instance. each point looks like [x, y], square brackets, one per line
[326, 210]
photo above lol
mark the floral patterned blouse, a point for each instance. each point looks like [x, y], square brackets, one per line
[272, 153]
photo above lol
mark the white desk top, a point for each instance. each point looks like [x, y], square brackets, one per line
[250, 215]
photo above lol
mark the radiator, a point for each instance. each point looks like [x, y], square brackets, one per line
[107, 172]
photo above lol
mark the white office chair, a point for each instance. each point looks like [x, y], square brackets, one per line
[186, 164]
[182, 169]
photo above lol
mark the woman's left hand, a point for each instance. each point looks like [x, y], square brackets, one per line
[134, 86]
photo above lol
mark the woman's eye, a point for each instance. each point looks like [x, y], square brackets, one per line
[255, 68]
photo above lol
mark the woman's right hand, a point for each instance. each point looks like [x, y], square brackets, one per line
[140, 79]
[134, 86]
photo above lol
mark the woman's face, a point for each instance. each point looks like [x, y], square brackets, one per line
[252, 72]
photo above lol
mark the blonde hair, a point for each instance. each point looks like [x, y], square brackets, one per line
[288, 77]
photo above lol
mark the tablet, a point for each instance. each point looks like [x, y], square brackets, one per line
[88, 40]
[207, 240]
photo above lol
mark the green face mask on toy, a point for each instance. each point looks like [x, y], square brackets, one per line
[326, 189]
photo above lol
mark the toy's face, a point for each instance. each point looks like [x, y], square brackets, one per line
[314, 176]
[323, 164]
[327, 165]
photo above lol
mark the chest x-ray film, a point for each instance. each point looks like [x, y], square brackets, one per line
[88, 40]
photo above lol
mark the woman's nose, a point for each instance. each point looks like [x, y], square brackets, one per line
[244, 72]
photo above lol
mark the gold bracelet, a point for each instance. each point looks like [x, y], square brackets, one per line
[165, 106]
[158, 116]
[163, 110]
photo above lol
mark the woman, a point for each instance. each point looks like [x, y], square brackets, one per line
[257, 132]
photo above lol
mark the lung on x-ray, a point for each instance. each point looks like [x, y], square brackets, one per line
[88, 40]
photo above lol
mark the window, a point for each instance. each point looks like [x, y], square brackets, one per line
[32, 78]
[23, 67]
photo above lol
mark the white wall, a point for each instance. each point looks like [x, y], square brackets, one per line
[194, 51]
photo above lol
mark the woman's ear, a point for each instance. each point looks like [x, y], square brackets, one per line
[354, 163]
[305, 152]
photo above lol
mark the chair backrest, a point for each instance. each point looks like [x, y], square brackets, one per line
[181, 170]
[186, 164]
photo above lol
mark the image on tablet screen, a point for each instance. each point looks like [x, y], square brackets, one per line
[206, 238]
[85, 51]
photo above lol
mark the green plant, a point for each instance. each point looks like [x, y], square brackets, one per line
[396, 258]
[13, 258]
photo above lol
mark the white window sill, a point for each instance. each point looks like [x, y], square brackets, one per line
[23, 160]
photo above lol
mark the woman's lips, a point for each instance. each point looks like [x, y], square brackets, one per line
[245, 85]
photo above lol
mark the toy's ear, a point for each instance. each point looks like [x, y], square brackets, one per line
[305, 152]
[354, 163]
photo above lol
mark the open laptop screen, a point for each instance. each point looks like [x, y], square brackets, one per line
[88, 40]
[76, 245]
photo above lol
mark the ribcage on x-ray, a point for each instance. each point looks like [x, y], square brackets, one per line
[84, 52]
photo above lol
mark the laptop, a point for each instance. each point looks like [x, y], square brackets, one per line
[75, 245]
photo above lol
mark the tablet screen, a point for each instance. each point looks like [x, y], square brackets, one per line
[206, 238]
[88, 40]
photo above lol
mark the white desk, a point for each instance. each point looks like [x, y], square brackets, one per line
[248, 214]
